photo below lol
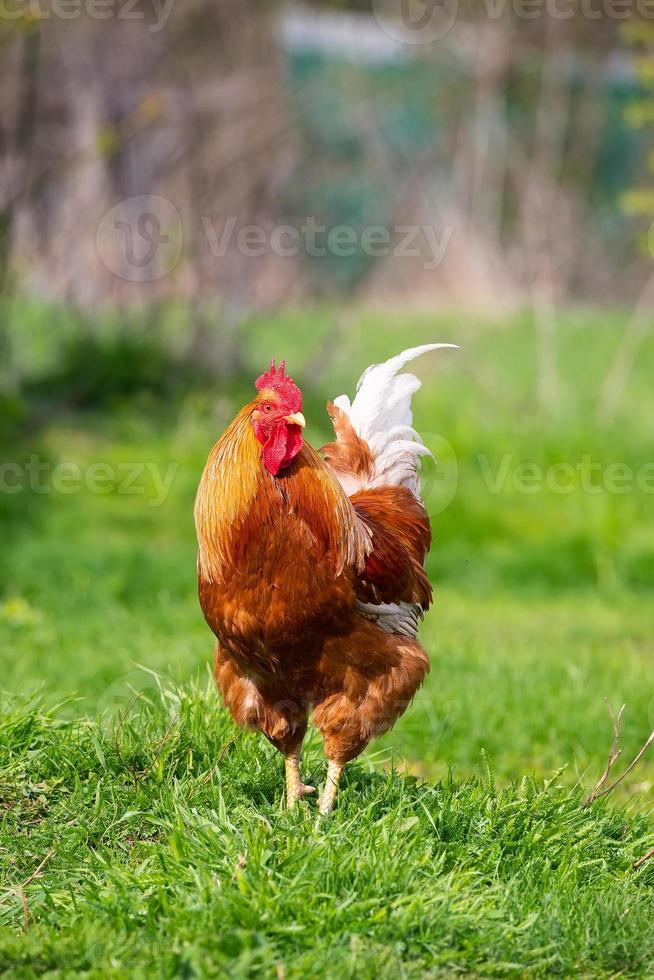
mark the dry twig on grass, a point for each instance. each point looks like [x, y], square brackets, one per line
[646, 857]
[614, 754]
[601, 789]
[26, 912]
[19, 891]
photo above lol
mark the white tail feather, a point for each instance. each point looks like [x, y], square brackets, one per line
[381, 414]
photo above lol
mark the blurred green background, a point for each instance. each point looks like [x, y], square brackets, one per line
[190, 189]
[172, 220]
[187, 189]
[543, 540]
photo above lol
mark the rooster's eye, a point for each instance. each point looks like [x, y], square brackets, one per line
[267, 408]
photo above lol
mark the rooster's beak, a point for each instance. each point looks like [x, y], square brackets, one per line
[296, 419]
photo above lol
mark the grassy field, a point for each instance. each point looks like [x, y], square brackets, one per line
[142, 834]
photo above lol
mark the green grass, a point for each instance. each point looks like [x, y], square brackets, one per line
[460, 843]
[169, 854]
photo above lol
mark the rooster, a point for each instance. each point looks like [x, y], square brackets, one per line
[310, 566]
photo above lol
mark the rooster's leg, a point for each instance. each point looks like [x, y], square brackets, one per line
[295, 788]
[328, 795]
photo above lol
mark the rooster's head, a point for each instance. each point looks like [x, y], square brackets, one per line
[277, 418]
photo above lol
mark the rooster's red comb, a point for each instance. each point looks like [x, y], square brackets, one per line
[273, 376]
[285, 387]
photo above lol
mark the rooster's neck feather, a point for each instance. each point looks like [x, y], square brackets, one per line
[230, 483]
[239, 502]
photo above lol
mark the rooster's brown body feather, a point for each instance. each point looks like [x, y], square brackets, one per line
[290, 573]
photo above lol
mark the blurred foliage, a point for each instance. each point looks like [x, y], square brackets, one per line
[12, 408]
[12, 414]
[383, 138]
[395, 134]
[56, 361]
[640, 114]
[96, 372]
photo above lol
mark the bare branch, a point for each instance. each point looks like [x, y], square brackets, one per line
[614, 754]
[23, 901]
[601, 789]
[38, 871]
[642, 752]
[19, 890]
[646, 857]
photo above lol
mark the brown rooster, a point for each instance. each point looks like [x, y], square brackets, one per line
[311, 569]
